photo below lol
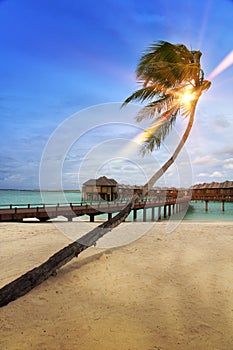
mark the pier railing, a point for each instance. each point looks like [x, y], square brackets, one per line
[44, 212]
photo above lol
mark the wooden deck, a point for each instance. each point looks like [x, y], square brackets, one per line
[46, 212]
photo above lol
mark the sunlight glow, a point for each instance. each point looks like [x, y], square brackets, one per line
[187, 96]
[226, 62]
[140, 138]
[134, 146]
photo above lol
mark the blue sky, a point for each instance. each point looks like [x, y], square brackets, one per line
[78, 58]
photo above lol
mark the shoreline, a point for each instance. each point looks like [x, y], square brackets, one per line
[161, 291]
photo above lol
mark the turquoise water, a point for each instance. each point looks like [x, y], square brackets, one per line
[15, 198]
[196, 210]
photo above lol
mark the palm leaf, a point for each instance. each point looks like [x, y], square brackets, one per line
[141, 95]
[158, 131]
[158, 106]
[166, 71]
[156, 138]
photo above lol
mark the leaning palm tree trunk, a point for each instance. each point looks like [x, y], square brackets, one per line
[36, 276]
[167, 71]
[164, 168]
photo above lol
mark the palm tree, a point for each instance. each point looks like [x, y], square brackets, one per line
[172, 81]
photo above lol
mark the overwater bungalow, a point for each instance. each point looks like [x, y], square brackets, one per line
[102, 188]
[213, 191]
[110, 190]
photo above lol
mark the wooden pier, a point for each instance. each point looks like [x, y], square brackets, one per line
[168, 201]
[46, 212]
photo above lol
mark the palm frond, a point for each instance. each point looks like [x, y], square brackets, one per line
[167, 73]
[158, 131]
[158, 106]
[168, 64]
[155, 140]
[185, 110]
[149, 145]
[141, 95]
[205, 85]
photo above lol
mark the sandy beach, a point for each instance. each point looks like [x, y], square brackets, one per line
[160, 292]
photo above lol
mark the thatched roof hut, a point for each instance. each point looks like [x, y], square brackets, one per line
[101, 188]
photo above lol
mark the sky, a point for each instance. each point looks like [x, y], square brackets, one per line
[66, 66]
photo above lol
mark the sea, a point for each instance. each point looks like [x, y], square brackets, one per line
[196, 210]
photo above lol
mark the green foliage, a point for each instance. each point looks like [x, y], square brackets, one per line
[167, 73]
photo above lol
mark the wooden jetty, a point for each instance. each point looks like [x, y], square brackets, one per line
[168, 201]
[214, 191]
[166, 208]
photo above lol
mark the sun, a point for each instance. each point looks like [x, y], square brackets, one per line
[187, 95]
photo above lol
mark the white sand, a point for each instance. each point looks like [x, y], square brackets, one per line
[162, 291]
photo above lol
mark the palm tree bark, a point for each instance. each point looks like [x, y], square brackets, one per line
[36, 276]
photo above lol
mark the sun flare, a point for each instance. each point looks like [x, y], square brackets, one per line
[187, 95]
[224, 64]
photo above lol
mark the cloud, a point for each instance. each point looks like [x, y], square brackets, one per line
[208, 161]
[216, 174]
[228, 164]
[202, 160]
[227, 150]
[222, 122]
[203, 175]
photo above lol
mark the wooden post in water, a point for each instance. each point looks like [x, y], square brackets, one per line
[135, 215]
[153, 214]
[165, 211]
[144, 214]
[169, 210]
[223, 205]
[206, 205]
[159, 213]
